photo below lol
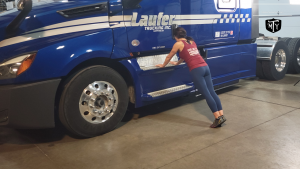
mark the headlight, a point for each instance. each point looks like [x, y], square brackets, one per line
[14, 67]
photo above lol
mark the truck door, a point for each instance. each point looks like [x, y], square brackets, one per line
[149, 29]
[149, 23]
[226, 29]
[198, 18]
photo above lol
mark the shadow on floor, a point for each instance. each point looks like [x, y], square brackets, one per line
[157, 108]
[25, 137]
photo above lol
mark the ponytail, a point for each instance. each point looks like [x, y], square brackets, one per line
[189, 39]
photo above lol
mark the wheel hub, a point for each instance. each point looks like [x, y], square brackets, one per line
[98, 102]
[280, 60]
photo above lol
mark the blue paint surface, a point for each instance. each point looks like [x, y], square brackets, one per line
[59, 55]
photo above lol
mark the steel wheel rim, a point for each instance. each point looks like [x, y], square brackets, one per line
[98, 102]
[298, 57]
[280, 60]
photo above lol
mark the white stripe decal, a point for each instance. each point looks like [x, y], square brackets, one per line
[247, 15]
[116, 18]
[49, 33]
[232, 21]
[121, 24]
[238, 20]
[242, 15]
[225, 15]
[231, 15]
[243, 20]
[73, 23]
[236, 15]
[249, 19]
[227, 20]
[215, 57]
[193, 22]
[120, 18]
[178, 17]
[127, 17]
[221, 21]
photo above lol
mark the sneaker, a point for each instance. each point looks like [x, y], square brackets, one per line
[217, 123]
[223, 118]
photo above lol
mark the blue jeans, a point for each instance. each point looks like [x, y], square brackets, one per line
[203, 82]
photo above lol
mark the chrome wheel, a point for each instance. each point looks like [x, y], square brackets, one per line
[280, 60]
[298, 57]
[98, 102]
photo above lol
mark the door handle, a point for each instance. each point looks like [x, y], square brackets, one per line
[202, 52]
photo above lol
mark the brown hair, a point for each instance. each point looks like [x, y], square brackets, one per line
[181, 33]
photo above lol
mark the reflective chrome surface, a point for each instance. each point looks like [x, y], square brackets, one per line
[280, 60]
[298, 57]
[98, 102]
[149, 62]
[265, 49]
[169, 90]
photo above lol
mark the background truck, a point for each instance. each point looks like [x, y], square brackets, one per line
[278, 52]
[86, 61]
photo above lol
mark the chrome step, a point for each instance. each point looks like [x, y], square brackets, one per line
[169, 90]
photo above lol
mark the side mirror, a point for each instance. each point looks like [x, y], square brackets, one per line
[25, 7]
[131, 4]
[20, 5]
[174, 26]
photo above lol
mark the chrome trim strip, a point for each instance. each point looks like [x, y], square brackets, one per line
[169, 90]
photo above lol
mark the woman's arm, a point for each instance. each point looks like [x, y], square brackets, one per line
[177, 63]
[170, 56]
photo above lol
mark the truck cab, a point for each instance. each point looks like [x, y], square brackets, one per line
[86, 61]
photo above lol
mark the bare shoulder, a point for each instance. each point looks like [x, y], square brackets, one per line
[178, 44]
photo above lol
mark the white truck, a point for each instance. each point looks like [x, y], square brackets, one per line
[278, 50]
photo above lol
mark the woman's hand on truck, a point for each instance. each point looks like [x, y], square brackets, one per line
[160, 65]
[174, 63]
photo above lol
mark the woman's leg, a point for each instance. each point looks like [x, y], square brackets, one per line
[211, 89]
[200, 84]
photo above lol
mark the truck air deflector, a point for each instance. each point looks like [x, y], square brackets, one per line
[84, 10]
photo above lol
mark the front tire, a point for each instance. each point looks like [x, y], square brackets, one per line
[93, 101]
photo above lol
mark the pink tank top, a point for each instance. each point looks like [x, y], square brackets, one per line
[191, 56]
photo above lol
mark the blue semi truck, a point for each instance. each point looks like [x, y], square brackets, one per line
[86, 61]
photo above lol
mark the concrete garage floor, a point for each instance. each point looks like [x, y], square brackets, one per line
[262, 132]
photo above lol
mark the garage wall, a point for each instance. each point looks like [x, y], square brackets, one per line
[286, 11]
